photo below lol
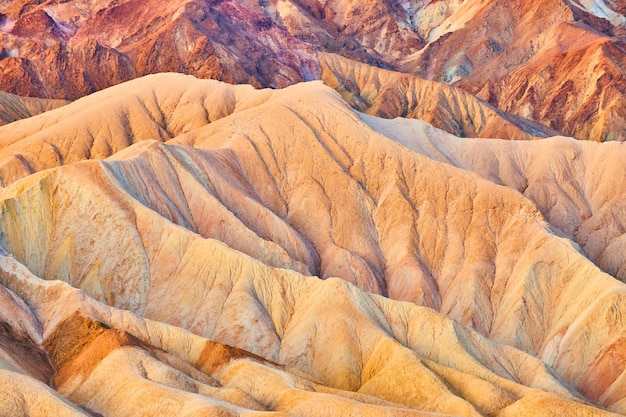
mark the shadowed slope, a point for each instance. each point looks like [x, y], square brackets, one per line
[14, 107]
[391, 94]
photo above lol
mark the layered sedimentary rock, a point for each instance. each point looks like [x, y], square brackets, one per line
[14, 107]
[241, 266]
[560, 63]
[68, 50]
[577, 186]
[567, 72]
[391, 94]
[115, 362]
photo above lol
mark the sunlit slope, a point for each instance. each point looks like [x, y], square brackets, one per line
[579, 187]
[95, 127]
[332, 348]
[292, 181]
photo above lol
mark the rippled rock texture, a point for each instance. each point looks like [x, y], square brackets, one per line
[175, 246]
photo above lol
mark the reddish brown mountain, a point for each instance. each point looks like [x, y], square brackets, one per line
[391, 94]
[68, 50]
[567, 72]
[558, 62]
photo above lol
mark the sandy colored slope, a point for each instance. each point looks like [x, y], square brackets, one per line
[24, 366]
[392, 94]
[23, 396]
[105, 123]
[579, 187]
[148, 362]
[333, 198]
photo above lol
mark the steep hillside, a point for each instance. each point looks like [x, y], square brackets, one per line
[223, 230]
[392, 94]
[578, 186]
[103, 124]
[114, 362]
[14, 107]
[70, 49]
[567, 72]
[560, 63]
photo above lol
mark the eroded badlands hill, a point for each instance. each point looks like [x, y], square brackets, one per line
[70, 49]
[390, 94]
[14, 107]
[550, 61]
[577, 186]
[240, 266]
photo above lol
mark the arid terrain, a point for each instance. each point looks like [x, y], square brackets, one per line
[187, 266]
[559, 63]
[423, 216]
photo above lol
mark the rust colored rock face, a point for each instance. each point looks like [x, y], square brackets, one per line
[549, 72]
[557, 62]
[69, 50]
[392, 94]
